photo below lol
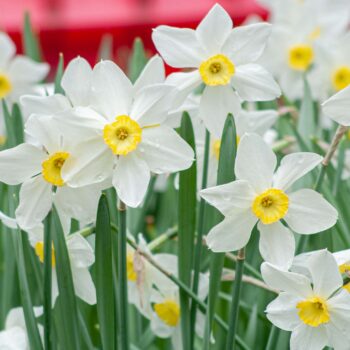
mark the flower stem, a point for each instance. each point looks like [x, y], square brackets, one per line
[273, 338]
[200, 229]
[230, 344]
[122, 279]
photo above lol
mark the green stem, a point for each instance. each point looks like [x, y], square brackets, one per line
[340, 167]
[169, 234]
[122, 279]
[199, 243]
[47, 282]
[273, 338]
[230, 344]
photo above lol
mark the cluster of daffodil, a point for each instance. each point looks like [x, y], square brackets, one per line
[112, 162]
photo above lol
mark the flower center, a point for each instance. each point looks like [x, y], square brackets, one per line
[131, 273]
[123, 135]
[217, 70]
[51, 168]
[341, 78]
[347, 287]
[168, 312]
[313, 311]
[39, 251]
[344, 268]
[2, 140]
[300, 57]
[270, 206]
[5, 85]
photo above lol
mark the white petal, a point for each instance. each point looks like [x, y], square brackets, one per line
[293, 167]
[14, 318]
[306, 337]
[283, 312]
[179, 47]
[24, 70]
[215, 104]
[290, 282]
[92, 162]
[80, 251]
[255, 162]
[131, 178]
[84, 286]
[185, 82]
[254, 83]
[111, 90]
[309, 212]
[325, 273]
[214, 29]
[277, 244]
[20, 163]
[255, 121]
[46, 105]
[76, 81]
[245, 44]
[8, 221]
[237, 194]
[164, 150]
[342, 256]
[7, 49]
[79, 203]
[14, 338]
[151, 104]
[35, 201]
[159, 328]
[153, 73]
[232, 233]
[338, 106]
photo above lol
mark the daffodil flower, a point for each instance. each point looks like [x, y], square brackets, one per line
[81, 257]
[14, 335]
[121, 134]
[314, 308]
[337, 107]
[262, 195]
[38, 168]
[221, 58]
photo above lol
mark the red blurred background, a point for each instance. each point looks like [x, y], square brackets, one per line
[75, 27]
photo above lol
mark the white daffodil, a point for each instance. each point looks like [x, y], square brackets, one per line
[122, 135]
[14, 335]
[261, 195]
[38, 169]
[142, 276]
[337, 107]
[315, 309]
[223, 59]
[165, 321]
[18, 75]
[81, 257]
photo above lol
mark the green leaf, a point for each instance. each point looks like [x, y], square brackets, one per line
[307, 120]
[11, 140]
[30, 40]
[186, 229]
[68, 304]
[226, 174]
[59, 74]
[17, 124]
[138, 60]
[47, 282]
[104, 275]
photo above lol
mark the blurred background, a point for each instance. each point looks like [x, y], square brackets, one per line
[77, 27]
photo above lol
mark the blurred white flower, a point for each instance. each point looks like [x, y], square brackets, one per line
[223, 59]
[14, 335]
[81, 257]
[121, 134]
[314, 307]
[260, 195]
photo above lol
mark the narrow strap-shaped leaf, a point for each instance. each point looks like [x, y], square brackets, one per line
[17, 122]
[138, 60]
[68, 303]
[59, 74]
[11, 140]
[186, 230]
[30, 320]
[104, 275]
[30, 40]
[47, 282]
[226, 174]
